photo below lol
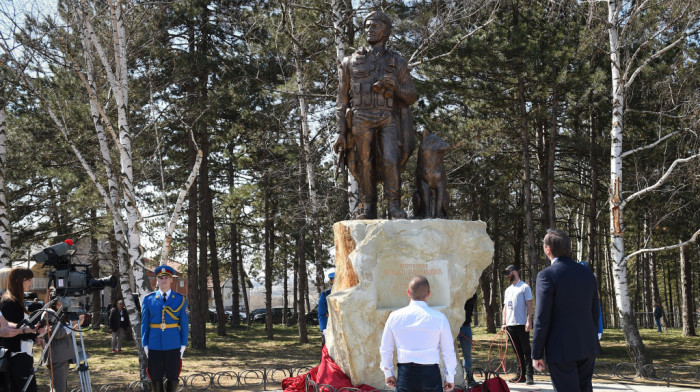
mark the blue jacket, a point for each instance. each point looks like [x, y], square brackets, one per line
[323, 309]
[566, 313]
[172, 313]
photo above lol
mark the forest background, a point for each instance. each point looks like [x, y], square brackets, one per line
[115, 115]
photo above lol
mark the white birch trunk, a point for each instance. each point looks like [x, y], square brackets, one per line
[338, 8]
[126, 233]
[635, 345]
[127, 173]
[5, 229]
[119, 83]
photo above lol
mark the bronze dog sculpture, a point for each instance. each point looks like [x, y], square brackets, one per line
[431, 199]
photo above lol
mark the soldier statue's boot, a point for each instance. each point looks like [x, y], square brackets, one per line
[369, 211]
[157, 386]
[369, 208]
[172, 385]
[395, 211]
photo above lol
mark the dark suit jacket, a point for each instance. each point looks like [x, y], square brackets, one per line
[566, 314]
[115, 319]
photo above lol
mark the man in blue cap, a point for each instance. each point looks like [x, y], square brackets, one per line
[164, 331]
[323, 308]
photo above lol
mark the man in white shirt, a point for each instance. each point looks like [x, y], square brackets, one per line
[419, 334]
[517, 316]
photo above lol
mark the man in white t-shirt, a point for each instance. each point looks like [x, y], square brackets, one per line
[517, 319]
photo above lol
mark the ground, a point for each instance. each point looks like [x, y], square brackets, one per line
[247, 348]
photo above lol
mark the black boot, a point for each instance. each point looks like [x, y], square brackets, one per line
[171, 385]
[157, 386]
[395, 211]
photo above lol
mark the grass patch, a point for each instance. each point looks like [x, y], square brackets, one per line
[665, 348]
[241, 349]
[245, 348]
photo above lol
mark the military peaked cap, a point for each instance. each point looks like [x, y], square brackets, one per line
[165, 270]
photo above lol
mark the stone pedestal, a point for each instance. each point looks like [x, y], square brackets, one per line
[375, 260]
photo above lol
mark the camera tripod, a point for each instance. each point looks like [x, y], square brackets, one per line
[73, 311]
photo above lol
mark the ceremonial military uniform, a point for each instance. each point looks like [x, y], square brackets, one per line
[164, 332]
[374, 93]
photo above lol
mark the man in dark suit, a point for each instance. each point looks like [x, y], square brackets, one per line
[566, 318]
[118, 323]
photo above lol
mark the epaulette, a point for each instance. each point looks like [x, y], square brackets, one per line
[149, 294]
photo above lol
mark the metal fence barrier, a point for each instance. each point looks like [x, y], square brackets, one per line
[266, 379]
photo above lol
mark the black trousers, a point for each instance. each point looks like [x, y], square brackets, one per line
[573, 376]
[164, 363]
[20, 369]
[521, 344]
[413, 377]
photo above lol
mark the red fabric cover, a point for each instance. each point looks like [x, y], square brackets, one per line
[327, 372]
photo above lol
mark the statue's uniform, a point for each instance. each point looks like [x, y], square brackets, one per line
[164, 329]
[378, 119]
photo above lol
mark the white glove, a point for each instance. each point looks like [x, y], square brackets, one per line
[600, 335]
[324, 332]
[182, 351]
[145, 348]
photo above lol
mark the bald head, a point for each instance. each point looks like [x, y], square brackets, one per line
[419, 288]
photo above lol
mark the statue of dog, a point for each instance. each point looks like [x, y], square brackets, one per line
[431, 199]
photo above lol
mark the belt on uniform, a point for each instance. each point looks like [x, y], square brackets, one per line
[164, 326]
[413, 364]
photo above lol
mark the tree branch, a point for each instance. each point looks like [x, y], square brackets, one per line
[170, 228]
[670, 247]
[648, 146]
[660, 181]
[456, 45]
[670, 46]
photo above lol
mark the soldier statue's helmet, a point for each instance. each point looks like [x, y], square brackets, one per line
[380, 16]
[165, 270]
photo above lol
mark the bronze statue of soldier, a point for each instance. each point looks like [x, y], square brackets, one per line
[375, 127]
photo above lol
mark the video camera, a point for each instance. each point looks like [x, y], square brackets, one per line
[70, 279]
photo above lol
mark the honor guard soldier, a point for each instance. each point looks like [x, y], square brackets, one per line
[164, 331]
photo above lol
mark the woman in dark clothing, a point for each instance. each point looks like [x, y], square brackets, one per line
[465, 340]
[20, 346]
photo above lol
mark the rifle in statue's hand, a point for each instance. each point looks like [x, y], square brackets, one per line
[342, 143]
[340, 164]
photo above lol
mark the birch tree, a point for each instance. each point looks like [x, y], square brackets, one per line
[5, 229]
[677, 24]
[97, 54]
